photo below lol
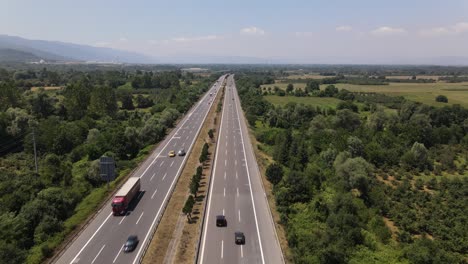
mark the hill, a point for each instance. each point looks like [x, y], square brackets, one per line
[62, 51]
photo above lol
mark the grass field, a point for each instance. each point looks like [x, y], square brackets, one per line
[457, 93]
[316, 101]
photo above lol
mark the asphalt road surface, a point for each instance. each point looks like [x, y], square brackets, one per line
[236, 191]
[103, 239]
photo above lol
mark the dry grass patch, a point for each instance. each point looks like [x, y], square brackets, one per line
[391, 225]
[46, 88]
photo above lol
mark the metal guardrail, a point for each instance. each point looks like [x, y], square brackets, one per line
[171, 191]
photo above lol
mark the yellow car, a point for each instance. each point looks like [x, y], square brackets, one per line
[171, 153]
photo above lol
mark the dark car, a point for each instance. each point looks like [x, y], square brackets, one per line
[181, 152]
[240, 238]
[131, 244]
[221, 220]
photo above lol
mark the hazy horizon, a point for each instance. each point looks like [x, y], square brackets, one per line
[295, 32]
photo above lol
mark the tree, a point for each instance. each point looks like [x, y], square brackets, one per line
[9, 95]
[19, 121]
[442, 99]
[103, 101]
[290, 88]
[416, 157]
[330, 90]
[127, 102]
[356, 172]
[311, 86]
[347, 105]
[355, 146]
[204, 153]
[76, 98]
[194, 185]
[144, 102]
[41, 104]
[347, 119]
[188, 207]
[210, 133]
[274, 173]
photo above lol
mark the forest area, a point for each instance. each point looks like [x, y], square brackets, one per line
[374, 179]
[75, 116]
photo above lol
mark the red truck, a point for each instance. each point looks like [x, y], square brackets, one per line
[124, 196]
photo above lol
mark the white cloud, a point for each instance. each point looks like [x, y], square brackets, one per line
[387, 31]
[184, 39]
[123, 39]
[458, 28]
[344, 28]
[252, 31]
[190, 39]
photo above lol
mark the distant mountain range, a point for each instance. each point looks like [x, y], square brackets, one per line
[17, 49]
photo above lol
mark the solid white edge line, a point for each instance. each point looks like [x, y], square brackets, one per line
[212, 180]
[222, 248]
[173, 181]
[118, 254]
[99, 228]
[250, 185]
[103, 246]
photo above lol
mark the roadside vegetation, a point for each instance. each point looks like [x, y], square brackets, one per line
[119, 112]
[371, 179]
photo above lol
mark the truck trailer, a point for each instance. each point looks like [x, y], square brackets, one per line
[125, 195]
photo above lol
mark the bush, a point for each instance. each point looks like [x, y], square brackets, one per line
[442, 99]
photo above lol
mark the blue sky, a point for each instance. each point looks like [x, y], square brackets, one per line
[292, 30]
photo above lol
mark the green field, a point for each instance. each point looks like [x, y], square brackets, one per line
[316, 101]
[457, 93]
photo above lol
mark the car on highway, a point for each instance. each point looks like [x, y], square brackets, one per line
[171, 153]
[181, 152]
[131, 244]
[240, 238]
[221, 220]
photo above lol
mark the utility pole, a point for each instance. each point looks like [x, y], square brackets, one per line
[35, 153]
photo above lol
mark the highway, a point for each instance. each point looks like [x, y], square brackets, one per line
[236, 191]
[103, 239]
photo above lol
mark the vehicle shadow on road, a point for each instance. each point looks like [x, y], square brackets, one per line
[133, 204]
